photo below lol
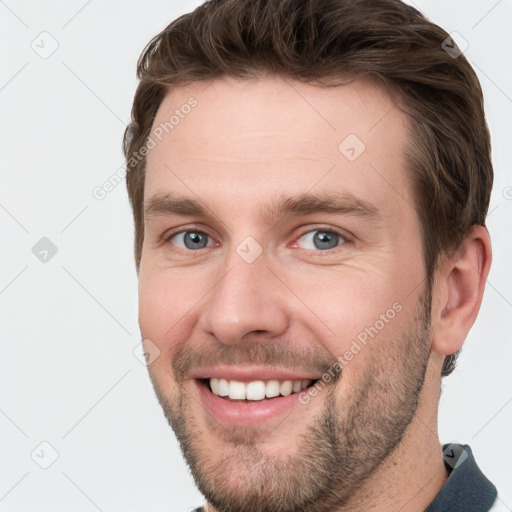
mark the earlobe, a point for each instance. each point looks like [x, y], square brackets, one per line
[458, 291]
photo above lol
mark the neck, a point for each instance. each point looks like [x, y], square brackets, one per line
[413, 475]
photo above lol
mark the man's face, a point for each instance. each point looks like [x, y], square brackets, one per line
[250, 293]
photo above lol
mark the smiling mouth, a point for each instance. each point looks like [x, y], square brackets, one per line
[257, 390]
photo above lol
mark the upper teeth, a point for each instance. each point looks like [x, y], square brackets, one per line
[256, 390]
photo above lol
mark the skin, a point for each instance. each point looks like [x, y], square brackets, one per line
[244, 145]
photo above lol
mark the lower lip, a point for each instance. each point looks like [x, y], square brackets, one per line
[248, 413]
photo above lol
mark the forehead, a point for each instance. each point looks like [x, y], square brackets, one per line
[247, 140]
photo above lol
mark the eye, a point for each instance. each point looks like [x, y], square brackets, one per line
[321, 240]
[190, 240]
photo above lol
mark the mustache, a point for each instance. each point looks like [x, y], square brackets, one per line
[270, 354]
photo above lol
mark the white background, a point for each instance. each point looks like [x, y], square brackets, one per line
[68, 375]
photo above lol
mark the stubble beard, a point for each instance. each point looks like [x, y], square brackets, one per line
[342, 446]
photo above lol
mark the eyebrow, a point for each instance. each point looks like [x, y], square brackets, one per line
[304, 204]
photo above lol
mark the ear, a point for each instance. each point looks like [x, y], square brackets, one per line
[458, 291]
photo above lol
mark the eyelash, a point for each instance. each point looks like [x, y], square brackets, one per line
[346, 238]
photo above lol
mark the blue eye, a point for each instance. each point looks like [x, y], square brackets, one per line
[191, 240]
[316, 240]
[322, 239]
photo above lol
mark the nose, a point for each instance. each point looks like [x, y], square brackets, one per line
[247, 298]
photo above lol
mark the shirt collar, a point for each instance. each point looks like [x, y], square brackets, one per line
[467, 488]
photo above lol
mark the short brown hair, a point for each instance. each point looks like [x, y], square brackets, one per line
[321, 42]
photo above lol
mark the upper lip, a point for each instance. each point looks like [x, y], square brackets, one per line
[251, 373]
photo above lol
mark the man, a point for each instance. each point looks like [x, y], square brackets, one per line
[309, 182]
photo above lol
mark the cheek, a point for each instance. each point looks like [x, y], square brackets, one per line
[166, 309]
[350, 310]
[343, 299]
